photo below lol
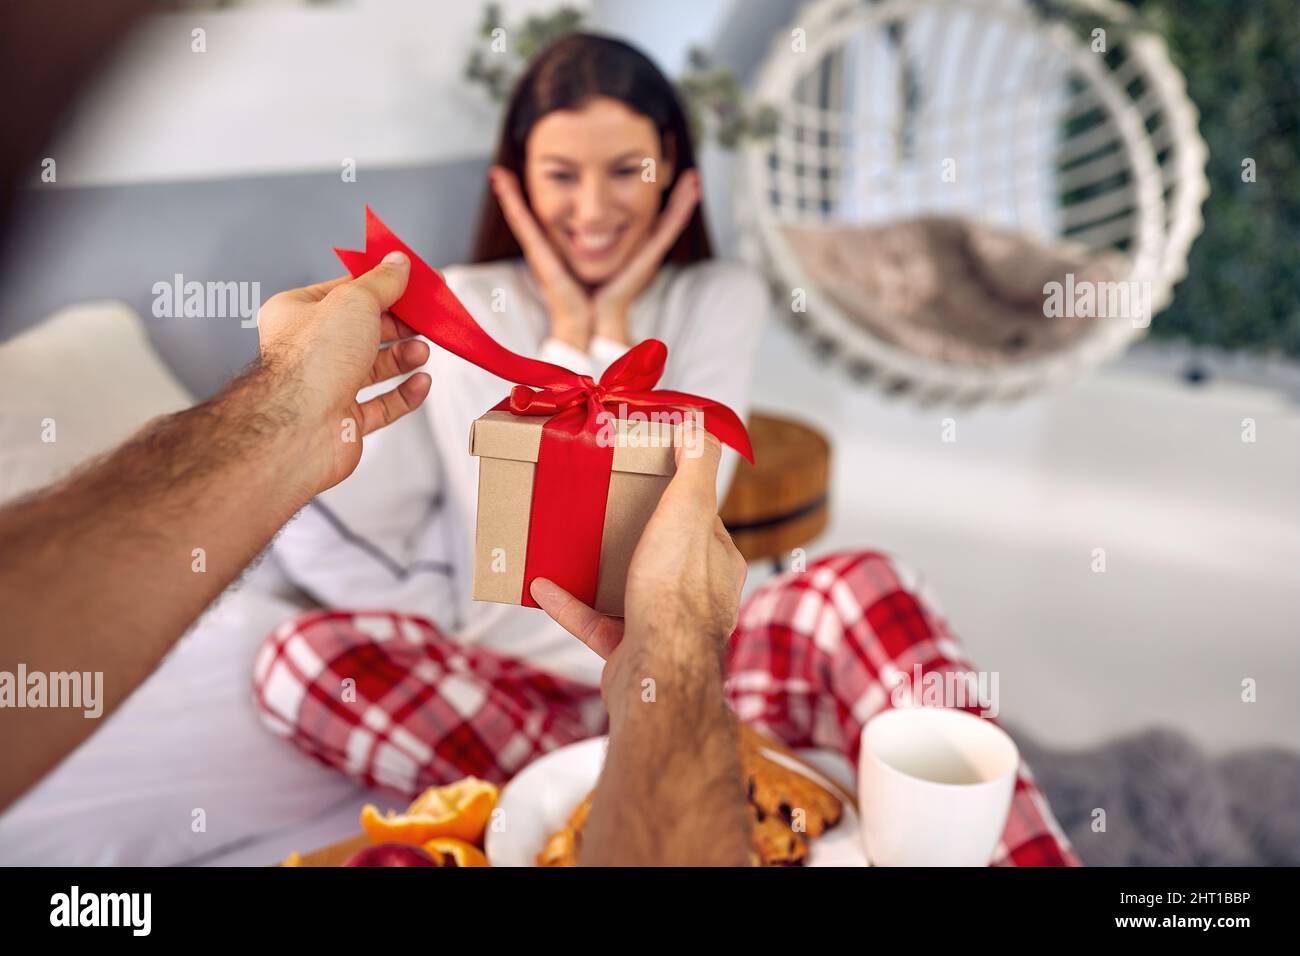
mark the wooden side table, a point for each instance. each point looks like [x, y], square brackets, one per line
[780, 502]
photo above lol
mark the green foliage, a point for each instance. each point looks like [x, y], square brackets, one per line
[714, 92]
[509, 51]
[1242, 64]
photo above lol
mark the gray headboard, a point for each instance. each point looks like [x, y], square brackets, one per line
[74, 244]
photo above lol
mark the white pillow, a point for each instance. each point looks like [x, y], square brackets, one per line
[189, 738]
[87, 378]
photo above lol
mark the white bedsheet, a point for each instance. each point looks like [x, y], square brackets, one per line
[184, 772]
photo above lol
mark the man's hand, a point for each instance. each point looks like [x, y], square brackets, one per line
[685, 569]
[328, 341]
[685, 578]
[670, 792]
[103, 572]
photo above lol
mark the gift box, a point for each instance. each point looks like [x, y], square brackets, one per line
[507, 446]
[570, 468]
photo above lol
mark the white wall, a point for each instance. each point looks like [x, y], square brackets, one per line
[665, 30]
[1201, 533]
[284, 89]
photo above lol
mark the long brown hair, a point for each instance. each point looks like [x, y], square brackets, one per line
[567, 74]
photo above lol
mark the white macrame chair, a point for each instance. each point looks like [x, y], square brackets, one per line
[871, 98]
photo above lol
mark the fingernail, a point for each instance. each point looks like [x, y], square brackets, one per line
[396, 257]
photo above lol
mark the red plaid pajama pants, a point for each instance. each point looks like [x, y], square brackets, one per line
[390, 701]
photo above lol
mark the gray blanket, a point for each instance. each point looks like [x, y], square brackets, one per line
[1168, 804]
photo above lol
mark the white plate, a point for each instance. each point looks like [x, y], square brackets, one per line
[539, 800]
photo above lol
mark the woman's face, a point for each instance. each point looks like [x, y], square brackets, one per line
[584, 170]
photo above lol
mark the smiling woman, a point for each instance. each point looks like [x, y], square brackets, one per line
[594, 184]
[593, 119]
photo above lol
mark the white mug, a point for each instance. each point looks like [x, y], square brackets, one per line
[934, 787]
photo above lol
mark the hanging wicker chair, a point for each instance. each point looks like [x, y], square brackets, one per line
[936, 163]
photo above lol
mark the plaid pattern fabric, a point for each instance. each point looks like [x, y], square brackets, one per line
[421, 710]
[814, 656]
[819, 652]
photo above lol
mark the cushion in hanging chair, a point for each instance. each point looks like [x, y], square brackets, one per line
[952, 290]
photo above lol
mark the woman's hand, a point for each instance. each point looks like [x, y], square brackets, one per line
[577, 315]
[567, 303]
[614, 299]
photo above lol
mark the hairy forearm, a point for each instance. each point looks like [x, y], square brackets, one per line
[105, 571]
[671, 793]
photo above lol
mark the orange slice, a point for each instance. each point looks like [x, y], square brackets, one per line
[457, 851]
[460, 810]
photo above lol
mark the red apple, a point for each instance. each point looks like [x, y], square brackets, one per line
[391, 854]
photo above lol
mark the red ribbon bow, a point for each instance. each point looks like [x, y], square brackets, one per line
[571, 485]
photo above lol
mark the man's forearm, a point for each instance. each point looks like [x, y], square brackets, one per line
[104, 572]
[671, 792]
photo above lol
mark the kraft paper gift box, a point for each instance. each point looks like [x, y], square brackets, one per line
[507, 447]
[561, 417]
